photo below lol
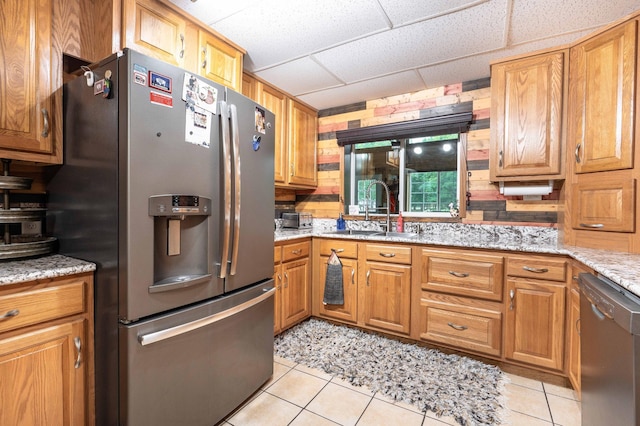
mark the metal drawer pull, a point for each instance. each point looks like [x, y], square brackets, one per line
[45, 118]
[368, 273]
[286, 277]
[512, 294]
[577, 153]
[536, 270]
[457, 327]
[10, 314]
[337, 250]
[168, 333]
[592, 225]
[459, 274]
[182, 43]
[387, 254]
[578, 326]
[298, 251]
[353, 274]
[78, 343]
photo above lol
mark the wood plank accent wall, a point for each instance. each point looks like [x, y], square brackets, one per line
[485, 205]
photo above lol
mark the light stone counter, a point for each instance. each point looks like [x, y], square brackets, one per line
[621, 268]
[52, 266]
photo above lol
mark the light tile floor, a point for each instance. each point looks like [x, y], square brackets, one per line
[298, 396]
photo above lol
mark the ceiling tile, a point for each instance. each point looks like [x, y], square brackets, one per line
[275, 31]
[403, 82]
[299, 76]
[209, 12]
[401, 12]
[536, 19]
[418, 45]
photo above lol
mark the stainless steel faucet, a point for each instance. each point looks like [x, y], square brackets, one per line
[367, 193]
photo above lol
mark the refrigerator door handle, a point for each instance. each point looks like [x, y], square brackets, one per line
[226, 160]
[235, 139]
[158, 336]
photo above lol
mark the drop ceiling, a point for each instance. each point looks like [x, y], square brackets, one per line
[330, 53]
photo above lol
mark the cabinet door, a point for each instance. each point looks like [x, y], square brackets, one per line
[48, 372]
[277, 300]
[28, 130]
[346, 311]
[527, 111]
[534, 331]
[295, 293]
[276, 102]
[604, 203]
[573, 328]
[387, 296]
[221, 62]
[303, 131]
[602, 115]
[250, 87]
[155, 30]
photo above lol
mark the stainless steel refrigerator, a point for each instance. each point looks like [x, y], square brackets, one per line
[167, 186]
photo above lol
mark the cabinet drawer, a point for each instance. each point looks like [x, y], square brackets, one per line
[342, 247]
[464, 274]
[537, 267]
[36, 305]
[389, 253]
[295, 251]
[455, 322]
[603, 203]
[277, 255]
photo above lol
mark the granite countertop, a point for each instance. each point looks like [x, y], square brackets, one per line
[52, 266]
[621, 268]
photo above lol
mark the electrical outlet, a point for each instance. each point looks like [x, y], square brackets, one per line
[31, 228]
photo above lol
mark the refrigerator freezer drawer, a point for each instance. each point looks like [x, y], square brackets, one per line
[196, 365]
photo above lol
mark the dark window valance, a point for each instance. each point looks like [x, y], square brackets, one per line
[453, 119]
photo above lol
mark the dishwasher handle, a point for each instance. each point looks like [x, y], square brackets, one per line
[168, 333]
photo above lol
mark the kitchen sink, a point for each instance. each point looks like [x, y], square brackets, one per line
[356, 232]
[374, 233]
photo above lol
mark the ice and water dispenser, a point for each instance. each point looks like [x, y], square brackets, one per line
[181, 241]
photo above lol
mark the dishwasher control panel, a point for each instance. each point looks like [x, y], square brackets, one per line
[599, 301]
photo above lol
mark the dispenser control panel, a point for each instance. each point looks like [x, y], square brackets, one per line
[167, 205]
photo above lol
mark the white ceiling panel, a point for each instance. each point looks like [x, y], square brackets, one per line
[402, 12]
[478, 66]
[417, 45]
[211, 11]
[300, 76]
[337, 52]
[404, 82]
[275, 31]
[535, 19]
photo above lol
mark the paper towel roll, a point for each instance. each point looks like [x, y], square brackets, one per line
[526, 189]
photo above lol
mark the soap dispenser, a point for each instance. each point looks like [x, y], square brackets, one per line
[400, 223]
[340, 223]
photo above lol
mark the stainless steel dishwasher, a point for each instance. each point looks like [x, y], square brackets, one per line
[610, 352]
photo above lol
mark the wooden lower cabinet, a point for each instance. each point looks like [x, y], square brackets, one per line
[46, 349]
[293, 284]
[386, 294]
[464, 323]
[534, 322]
[573, 327]
[347, 252]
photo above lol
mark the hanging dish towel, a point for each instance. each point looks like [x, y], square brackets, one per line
[333, 290]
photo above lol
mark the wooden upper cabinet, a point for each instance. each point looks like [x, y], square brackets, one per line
[602, 86]
[303, 135]
[155, 30]
[276, 102]
[220, 61]
[527, 117]
[29, 128]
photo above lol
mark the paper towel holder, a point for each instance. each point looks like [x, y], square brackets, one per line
[528, 192]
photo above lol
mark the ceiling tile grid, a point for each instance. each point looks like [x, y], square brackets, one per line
[334, 52]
